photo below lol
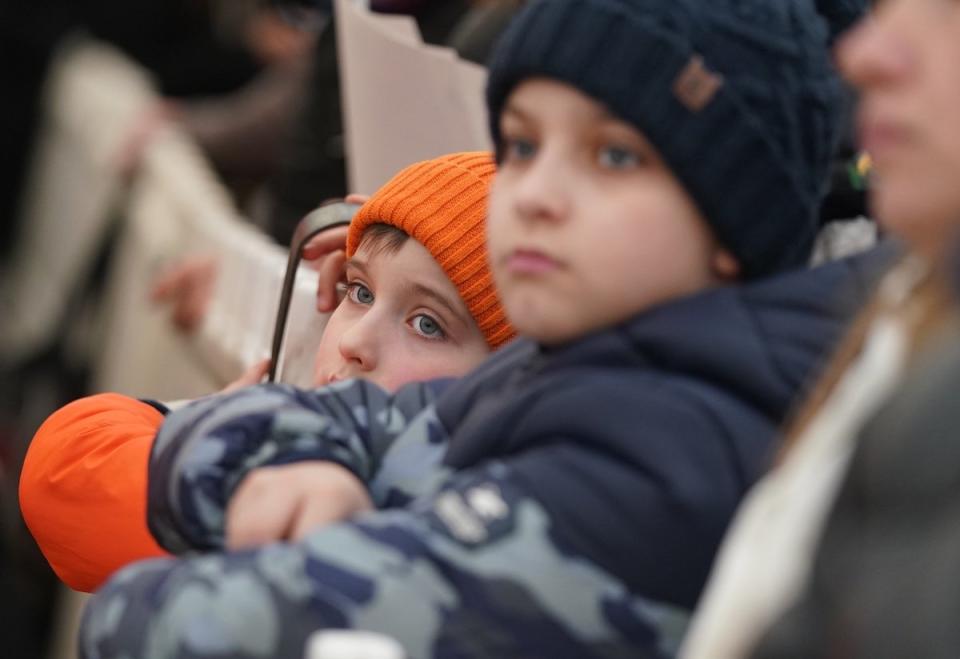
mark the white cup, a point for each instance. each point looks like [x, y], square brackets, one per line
[351, 644]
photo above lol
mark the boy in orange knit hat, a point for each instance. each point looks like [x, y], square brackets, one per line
[423, 308]
[419, 304]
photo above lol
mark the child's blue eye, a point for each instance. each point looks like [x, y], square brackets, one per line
[618, 157]
[519, 149]
[359, 293]
[427, 326]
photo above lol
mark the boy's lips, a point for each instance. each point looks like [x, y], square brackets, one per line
[531, 262]
[879, 136]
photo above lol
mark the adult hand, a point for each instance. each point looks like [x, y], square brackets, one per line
[288, 501]
[356, 198]
[148, 125]
[327, 255]
[274, 41]
[187, 286]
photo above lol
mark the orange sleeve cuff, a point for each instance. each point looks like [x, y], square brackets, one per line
[83, 488]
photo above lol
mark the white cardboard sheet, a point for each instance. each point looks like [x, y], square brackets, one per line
[403, 100]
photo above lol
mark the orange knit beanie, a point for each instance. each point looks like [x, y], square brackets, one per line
[442, 204]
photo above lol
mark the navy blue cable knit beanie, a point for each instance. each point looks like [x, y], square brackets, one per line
[740, 98]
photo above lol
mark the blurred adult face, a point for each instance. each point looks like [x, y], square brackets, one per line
[905, 60]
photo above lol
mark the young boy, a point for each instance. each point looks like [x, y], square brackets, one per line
[566, 498]
[419, 305]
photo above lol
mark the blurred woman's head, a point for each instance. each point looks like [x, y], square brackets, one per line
[905, 61]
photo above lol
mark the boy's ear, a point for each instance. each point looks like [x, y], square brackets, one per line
[725, 265]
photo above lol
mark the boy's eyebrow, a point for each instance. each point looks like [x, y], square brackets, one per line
[600, 113]
[354, 262]
[416, 288]
[426, 291]
[511, 108]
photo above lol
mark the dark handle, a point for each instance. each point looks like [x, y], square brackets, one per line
[329, 215]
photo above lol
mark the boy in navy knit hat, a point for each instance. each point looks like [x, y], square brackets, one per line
[567, 497]
[738, 101]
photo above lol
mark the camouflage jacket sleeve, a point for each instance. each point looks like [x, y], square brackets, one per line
[474, 569]
[204, 450]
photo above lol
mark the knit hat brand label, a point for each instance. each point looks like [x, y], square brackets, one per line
[695, 87]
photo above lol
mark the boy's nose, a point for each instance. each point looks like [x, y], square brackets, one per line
[358, 344]
[540, 193]
[871, 53]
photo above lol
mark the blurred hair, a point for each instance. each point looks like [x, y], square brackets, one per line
[925, 314]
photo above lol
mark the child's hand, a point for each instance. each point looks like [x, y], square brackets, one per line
[288, 501]
[253, 375]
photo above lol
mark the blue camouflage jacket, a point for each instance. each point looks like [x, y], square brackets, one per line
[562, 502]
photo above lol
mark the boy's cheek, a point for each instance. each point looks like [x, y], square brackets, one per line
[534, 311]
[321, 367]
[498, 248]
[448, 362]
[498, 215]
[327, 357]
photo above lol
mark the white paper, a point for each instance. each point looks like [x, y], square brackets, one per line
[403, 101]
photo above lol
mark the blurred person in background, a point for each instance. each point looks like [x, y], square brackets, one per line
[848, 548]
[194, 49]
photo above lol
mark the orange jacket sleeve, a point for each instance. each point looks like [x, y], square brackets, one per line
[83, 488]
